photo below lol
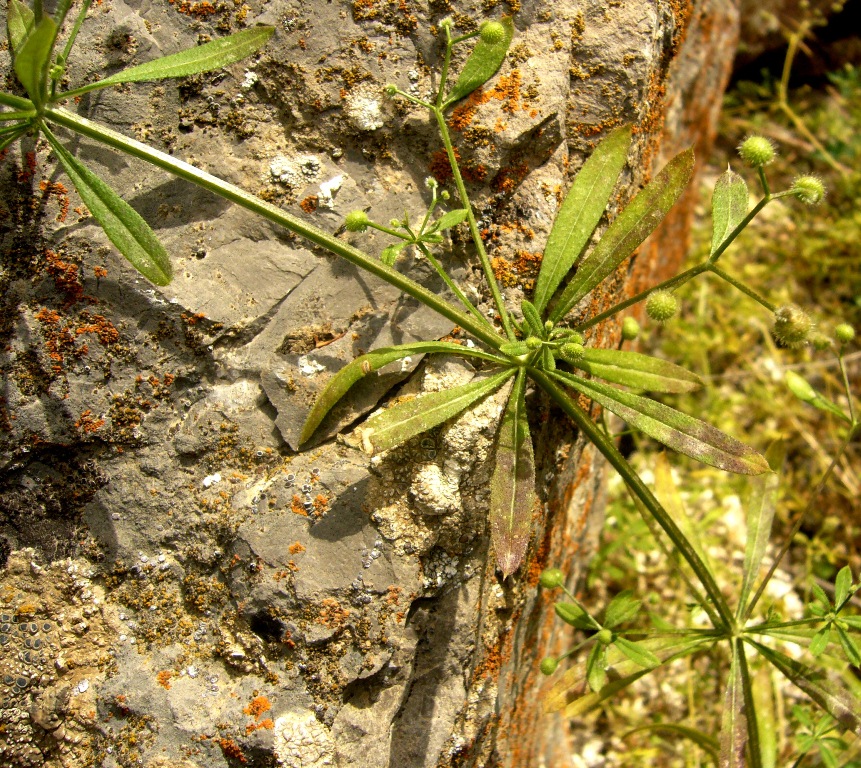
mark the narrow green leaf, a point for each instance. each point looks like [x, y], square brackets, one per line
[850, 647]
[548, 362]
[819, 642]
[580, 212]
[31, 61]
[802, 389]
[760, 515]
[363, 365]
[821, 596]
[679, 431]
[841, 703]
[702, 740]
[639, 219]
[631, 369]
[19, 21]
[733, 732]
[450, 219]
[637, 652]
[482, 64]
[566, 693]
[767, 724]
[533, 318]
[842, 585]
[407, 419]
[192, 61]
[729, 206]
[123, 225]
[852, 621]
[515, 348]
[623, 607]
[512, 486]
[596, 671]
[390, 253]
[573, 614]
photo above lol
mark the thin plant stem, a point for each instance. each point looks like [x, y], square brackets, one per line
[274, 214]
[468, 305]
[79, 20]
[473, 224]
[753, 744]
[639, 489]
[27, 114]
[852, 414]
[714, 268]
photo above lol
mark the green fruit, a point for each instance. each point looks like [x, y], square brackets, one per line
[844, 333]
[492, 32]
[356, 221]
[630, 329]
[661, 306]
[757, 151]
[551, 578]
[792, 325]
[549, 665]
[808, 189]
[605, 637]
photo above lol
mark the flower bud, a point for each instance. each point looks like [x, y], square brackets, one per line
[551, 578]
[800, 387]
[356, 221]
[446, 23]
[571, 352]
[533, 342]
[844, 333]
[792, 325]
[757, 151]
[492, 32]
[548, 665]
[630, 329]
[431, 182]
[445, 194]
[809, 189]
[661, 306]
[605, 637]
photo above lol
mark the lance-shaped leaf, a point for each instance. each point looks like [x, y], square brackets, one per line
[673, 428]
[450, 219]
[123, 225]
[407, 419]
[596, 667]
[622, 672]
[31, 60]
[639, 219]
[573, 614]
[760, 514]
[485, 59]
[343, 380]
[512, 487]
[729, 206]
[580, 212]
[637, 652]
[842, 586]
[623, 607]
[733, 732]
[841, 703]
[19, 20]
[631, 369]
[203, 58]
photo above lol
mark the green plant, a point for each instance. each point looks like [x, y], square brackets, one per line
[542, 343]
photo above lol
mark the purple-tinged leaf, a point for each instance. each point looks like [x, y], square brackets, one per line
[631, 369]
[633, 225]
[733, 732]
[580, 212]
[343, 380]
[729, 206]
[673, 428]
[400, 422]
[841, 703]
[512, 487]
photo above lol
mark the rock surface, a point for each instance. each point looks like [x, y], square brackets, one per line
[179, 585]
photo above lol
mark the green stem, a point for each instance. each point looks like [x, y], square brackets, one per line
[468, 305]
[473, 225]
[75, 29]
[270, 212]
[754, 747]
[673, 282]
[744, 222]
[852, 414]
[639, 489]
[741, 287]
[18, 115]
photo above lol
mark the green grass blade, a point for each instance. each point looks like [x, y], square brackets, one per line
[343, 380]
[841, 703]
[482, 64]
[19, 21]
[733, 732]
[673, 428]
[631, 369]
[729, 207]
[193, 61]
[639, 219]
[123, 225]
[580, 212]
[31, 61]
[760, 515]
[512, 487]
[407, 419]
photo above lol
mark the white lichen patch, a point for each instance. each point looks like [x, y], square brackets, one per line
[302, 741]
[364, 108]
[309, 367]
[296, 172]
[434, 492]
[326, 198]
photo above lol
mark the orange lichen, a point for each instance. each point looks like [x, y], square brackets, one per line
[332, 615]
[258, 705]
[88, 424]
[295, 548]
[164, 677]
[59, 191]
[296, 506]
[310, 203]
[231, 749]
[199, 10]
